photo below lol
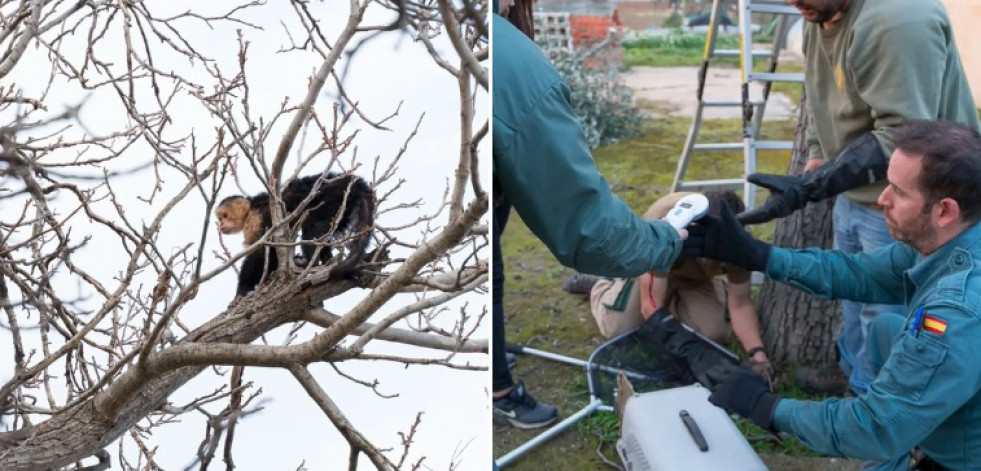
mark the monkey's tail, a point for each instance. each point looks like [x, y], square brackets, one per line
[360, 226]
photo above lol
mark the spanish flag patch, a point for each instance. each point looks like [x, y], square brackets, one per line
[933, 325]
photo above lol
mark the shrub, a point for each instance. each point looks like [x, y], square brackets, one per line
[603, 104]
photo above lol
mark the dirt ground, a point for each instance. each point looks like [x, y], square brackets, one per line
[674, 90]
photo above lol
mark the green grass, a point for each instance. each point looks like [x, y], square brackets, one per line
[667, 57]
[540, 315]
[676, 49]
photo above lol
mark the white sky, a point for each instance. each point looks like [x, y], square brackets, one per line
[291, 429]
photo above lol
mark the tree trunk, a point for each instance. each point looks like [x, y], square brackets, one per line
[798, 328]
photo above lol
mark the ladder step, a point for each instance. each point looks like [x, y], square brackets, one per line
[735, 53]
[693, 185]
[745, 54]
[768, 77]
[758, 145]
[774, 9]
[720, 146]
[774, 145]
[722, 103]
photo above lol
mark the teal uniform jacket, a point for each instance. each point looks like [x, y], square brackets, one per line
[543, 167]
[927, 393]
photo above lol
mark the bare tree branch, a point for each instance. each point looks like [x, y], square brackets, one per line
[123, 125]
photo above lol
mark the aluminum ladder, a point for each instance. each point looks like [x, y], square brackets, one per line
[752, 109]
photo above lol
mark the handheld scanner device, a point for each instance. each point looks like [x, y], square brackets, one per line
[686, 210]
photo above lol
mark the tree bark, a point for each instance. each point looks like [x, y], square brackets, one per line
[798, 328]
[79, 431]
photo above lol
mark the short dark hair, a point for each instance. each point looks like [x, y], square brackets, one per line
[950, 156]
[729, 197]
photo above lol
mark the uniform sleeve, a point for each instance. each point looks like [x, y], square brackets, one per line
[548, 174]
[898, 64]
[927, 377]
[874, 277]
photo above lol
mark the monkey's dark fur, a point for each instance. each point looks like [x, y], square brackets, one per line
[344, 207]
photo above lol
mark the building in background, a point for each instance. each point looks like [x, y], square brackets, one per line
[589, 27]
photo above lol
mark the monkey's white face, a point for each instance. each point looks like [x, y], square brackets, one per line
[227, 222]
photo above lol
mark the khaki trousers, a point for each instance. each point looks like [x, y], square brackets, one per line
[700, 304]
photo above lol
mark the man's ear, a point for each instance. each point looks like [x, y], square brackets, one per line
[948, 212]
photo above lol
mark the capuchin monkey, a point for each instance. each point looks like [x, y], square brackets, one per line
[343, 207]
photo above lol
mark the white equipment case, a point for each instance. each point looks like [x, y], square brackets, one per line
[655, 437]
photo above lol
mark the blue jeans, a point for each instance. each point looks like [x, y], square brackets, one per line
[858, 229]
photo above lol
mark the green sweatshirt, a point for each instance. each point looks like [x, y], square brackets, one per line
[885, 62]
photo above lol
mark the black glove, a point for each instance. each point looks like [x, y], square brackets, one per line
[723, 238]
[785, 197]
[745, 393]
[708, 364]
[861, 163]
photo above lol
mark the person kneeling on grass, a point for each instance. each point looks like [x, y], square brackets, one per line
[711, 297]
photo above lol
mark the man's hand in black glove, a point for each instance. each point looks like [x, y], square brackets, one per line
[707, 363]
[723, 238]
[785, 198]
[861, 163]
[745, 393]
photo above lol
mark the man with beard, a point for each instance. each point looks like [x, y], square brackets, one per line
[927, 390]
[869, 66]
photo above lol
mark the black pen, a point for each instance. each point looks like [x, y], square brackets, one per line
[693, 430]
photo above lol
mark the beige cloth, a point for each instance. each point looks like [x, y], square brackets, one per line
[699, 304]
[696, 291]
